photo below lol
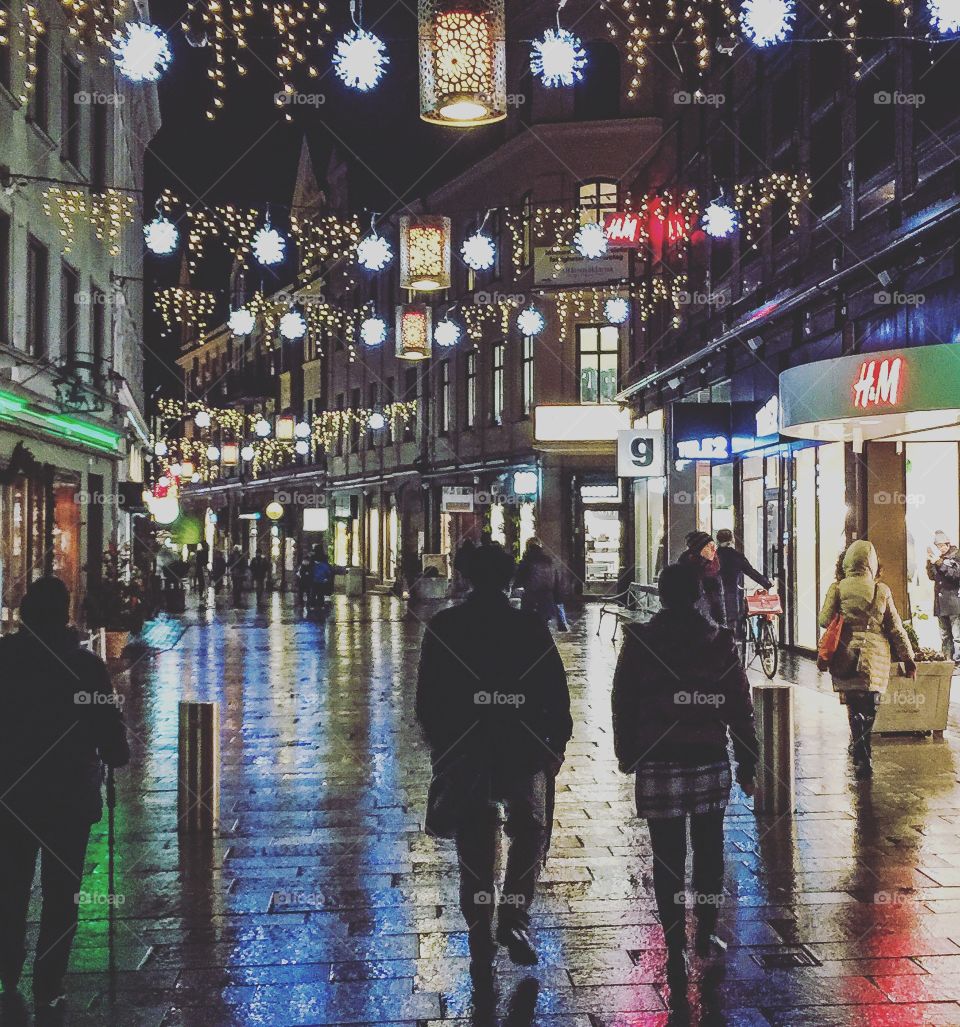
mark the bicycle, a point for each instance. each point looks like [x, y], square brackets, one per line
[762, 608]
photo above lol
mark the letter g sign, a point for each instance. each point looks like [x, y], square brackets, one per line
[640, 453]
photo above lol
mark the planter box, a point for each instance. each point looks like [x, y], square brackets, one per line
[920, 705]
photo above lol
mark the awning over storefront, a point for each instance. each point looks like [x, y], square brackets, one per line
[905, 395]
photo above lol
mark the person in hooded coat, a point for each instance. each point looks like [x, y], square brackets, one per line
[539, 577]
[734, 566]
[493, 705]
[679, 690]
[871, 628]
[59, 723]
[943, 569]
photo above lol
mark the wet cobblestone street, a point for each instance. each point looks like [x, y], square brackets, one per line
[322, 902]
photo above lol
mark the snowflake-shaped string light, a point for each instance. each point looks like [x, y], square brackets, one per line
[360, 60]
[446, 333]
[242, 321]
[373, 331]
[293, 325]
[616, 310]
[591, 240]
[201, 419]
[558, 59]
[766, 22]
[530, 321]
[719, 220]
[247, 453]
[161, 236]
[262, 427]
[141, 51]
[269, 246]
[376, 421]
[478, 252]
[374, 252]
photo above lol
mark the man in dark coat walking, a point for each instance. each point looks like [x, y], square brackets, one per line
[943, 569]
[733, 566]
[59, 723]
[539, 578]
[493, 704]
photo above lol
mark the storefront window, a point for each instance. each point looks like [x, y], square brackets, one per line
[498, 528]
[753, 512]
[602, 548]
[393, 537]
[341, 540]
[648, 519]
[932, 504]
[528, 524]
[721, 496]
[805, 547]
[66, 536]
[373, 539]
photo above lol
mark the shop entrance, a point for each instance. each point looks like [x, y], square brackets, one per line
[602, 528]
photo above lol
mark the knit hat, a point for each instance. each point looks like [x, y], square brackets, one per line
[724, 537]
[696, 540]
[941, 538]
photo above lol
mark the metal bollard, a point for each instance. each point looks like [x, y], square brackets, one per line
[198, 768]
[773, 706]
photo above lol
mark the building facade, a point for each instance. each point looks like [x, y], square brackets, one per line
[793, 411]
[72, 426]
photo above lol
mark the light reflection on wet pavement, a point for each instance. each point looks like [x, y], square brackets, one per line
[323, 903]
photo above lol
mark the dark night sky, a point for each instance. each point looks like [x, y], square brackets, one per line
[248, 155]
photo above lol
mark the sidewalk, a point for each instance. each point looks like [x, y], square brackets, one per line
[324, 903]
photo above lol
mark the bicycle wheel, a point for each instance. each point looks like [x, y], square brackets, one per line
[768, 649]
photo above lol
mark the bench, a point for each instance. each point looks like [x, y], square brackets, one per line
[636, 603]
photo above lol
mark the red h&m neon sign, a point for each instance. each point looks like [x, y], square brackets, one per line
[879, 383]
[623, 229]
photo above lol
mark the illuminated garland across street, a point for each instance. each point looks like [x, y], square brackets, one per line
[179, 306]
[181, 440]
[752, 199]
[107, 213]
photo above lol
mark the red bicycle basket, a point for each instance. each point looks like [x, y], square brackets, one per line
[759, 603]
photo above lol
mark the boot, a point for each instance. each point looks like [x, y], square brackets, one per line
[515, 938]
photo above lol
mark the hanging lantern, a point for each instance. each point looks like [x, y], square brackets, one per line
[285, 426]
[424, 253]
[463, 68]
[413, 331]
[274, 510]
[230, 454]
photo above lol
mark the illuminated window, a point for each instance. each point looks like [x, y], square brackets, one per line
[526, 237]
[598, 357]
[526, 379]
[470, 390]
[496, 391]
[443, 399]
[596, 199]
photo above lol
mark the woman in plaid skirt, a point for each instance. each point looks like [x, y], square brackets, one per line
[679, 688]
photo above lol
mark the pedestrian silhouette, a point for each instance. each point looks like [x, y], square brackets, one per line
[493, 704]
[59, 723]
[679, 687]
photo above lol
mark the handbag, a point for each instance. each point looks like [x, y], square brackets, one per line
[829, 642]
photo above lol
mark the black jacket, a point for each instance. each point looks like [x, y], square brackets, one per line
[59, 722]
[492, 688]
[733, 566]
[945, 575]
[712, 603]
[679, 686]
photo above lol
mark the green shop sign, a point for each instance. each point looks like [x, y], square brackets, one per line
[15, 409]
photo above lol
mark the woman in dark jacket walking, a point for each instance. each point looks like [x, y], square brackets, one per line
[679, 688]
[734, 566]
[538, 576]
[701, 554]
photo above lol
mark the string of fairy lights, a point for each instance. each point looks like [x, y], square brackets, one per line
[195, 441]
[461, 54]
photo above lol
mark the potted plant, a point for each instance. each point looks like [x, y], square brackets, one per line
[114, 600]
[920, 704]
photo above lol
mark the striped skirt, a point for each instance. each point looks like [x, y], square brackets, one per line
[675, 790]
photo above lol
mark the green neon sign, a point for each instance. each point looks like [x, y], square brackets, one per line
[16, 408]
